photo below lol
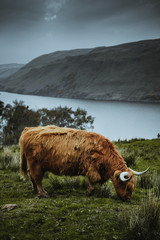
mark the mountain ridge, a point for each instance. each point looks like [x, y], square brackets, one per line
[126, 72]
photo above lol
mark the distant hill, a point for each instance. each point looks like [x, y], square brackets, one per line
[7, 70]
[126, 72]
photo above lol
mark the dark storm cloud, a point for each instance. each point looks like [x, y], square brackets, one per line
[97, 10]
[16, 11]
[29, 28]
[25, 12]
[22, 12]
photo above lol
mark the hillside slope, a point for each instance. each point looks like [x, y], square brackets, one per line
[7, 70]
[127, 72]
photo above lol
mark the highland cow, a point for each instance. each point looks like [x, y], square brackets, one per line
[71, 152]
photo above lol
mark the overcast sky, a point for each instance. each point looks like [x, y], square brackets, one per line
[30, 28]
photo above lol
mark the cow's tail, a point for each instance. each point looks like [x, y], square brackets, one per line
[23, 162]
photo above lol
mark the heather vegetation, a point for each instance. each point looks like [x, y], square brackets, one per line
[69, 213]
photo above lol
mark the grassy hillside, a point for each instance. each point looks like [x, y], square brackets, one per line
[127, 72]
[69, 214]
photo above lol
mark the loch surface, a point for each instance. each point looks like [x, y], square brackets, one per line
[114, 120]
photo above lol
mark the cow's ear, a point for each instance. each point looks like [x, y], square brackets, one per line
[117, 174]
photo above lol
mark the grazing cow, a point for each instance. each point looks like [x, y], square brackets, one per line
[71, 152]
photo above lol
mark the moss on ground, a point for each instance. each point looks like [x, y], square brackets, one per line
[68, 213]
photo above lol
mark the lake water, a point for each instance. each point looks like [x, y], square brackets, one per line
[114, 120]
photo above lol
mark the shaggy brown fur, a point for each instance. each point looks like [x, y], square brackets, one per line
[71, 152]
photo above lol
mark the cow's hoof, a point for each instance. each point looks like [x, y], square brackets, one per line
[88, 194]
[43, 196]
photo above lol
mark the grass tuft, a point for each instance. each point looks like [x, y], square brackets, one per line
[75, 183]
[105, 191]
[9, 158]
[58, 182]
[144, 223]
[150, 181]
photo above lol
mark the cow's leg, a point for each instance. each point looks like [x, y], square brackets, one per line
[36, 174]
[93, 177]
[90, 189]
[33, 182]
[41, 191]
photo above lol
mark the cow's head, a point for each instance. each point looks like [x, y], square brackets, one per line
[124, 182]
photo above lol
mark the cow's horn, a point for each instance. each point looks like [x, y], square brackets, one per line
[124, 176]
[139, 173]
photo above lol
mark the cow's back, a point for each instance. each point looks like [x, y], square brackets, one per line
[63, 149]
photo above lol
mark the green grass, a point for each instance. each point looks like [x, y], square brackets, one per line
[69, 213]
[144, 223]
[145, 153]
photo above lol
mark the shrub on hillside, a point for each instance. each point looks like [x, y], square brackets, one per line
[9, 158]
[129, 156]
